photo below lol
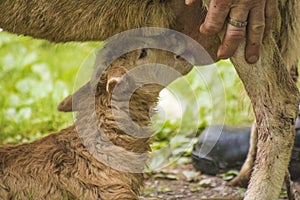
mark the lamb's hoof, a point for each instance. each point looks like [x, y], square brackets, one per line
[240, 181]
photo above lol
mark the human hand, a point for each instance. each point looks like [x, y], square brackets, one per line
[258, 14]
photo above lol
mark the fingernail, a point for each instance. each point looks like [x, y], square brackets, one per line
[187, 2]
[252, 59]
[220, 54]
[202, 30]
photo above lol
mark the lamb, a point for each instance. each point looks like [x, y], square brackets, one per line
[94, 158]
[275, 101]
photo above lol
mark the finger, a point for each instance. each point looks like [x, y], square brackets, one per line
[271, 8]
[255, 33]
[189, 2]
[234, 35]
[216, 16]
[231, 41]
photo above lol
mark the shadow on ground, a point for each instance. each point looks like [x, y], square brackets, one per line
[184, 183]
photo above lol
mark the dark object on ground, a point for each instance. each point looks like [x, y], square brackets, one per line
[231, 149]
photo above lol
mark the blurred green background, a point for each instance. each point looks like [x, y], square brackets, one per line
[35, 75]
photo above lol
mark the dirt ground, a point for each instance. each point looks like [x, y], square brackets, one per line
[185, 183]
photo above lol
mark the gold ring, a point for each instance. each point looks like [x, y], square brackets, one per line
[237, 23]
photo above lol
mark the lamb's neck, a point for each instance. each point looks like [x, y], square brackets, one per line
[126, 123]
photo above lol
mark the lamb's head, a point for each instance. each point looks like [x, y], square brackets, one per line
[141, 67]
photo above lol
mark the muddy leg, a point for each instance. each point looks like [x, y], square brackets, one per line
[244, 175]
[275, 98]
[288, 182]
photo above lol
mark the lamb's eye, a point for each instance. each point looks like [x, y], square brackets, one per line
[143, 53]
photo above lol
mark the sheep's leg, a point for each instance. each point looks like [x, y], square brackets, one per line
[246, 170]
[275, 98]
[289, 184]
[244, 175]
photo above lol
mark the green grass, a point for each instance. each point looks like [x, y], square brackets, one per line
[36, 75]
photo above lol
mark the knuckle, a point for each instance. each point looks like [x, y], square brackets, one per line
[258, 28]
[223, 5]
[253, 46]
[213, 27]
[236, 34]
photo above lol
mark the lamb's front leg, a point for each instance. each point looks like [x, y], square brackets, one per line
[275, 98]
[244, 175]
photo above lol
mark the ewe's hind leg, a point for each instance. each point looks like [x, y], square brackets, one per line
[244, 175]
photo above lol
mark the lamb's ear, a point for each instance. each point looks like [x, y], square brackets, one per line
[114, 77]
[65, 105]
[75, 101]
[112, 82]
